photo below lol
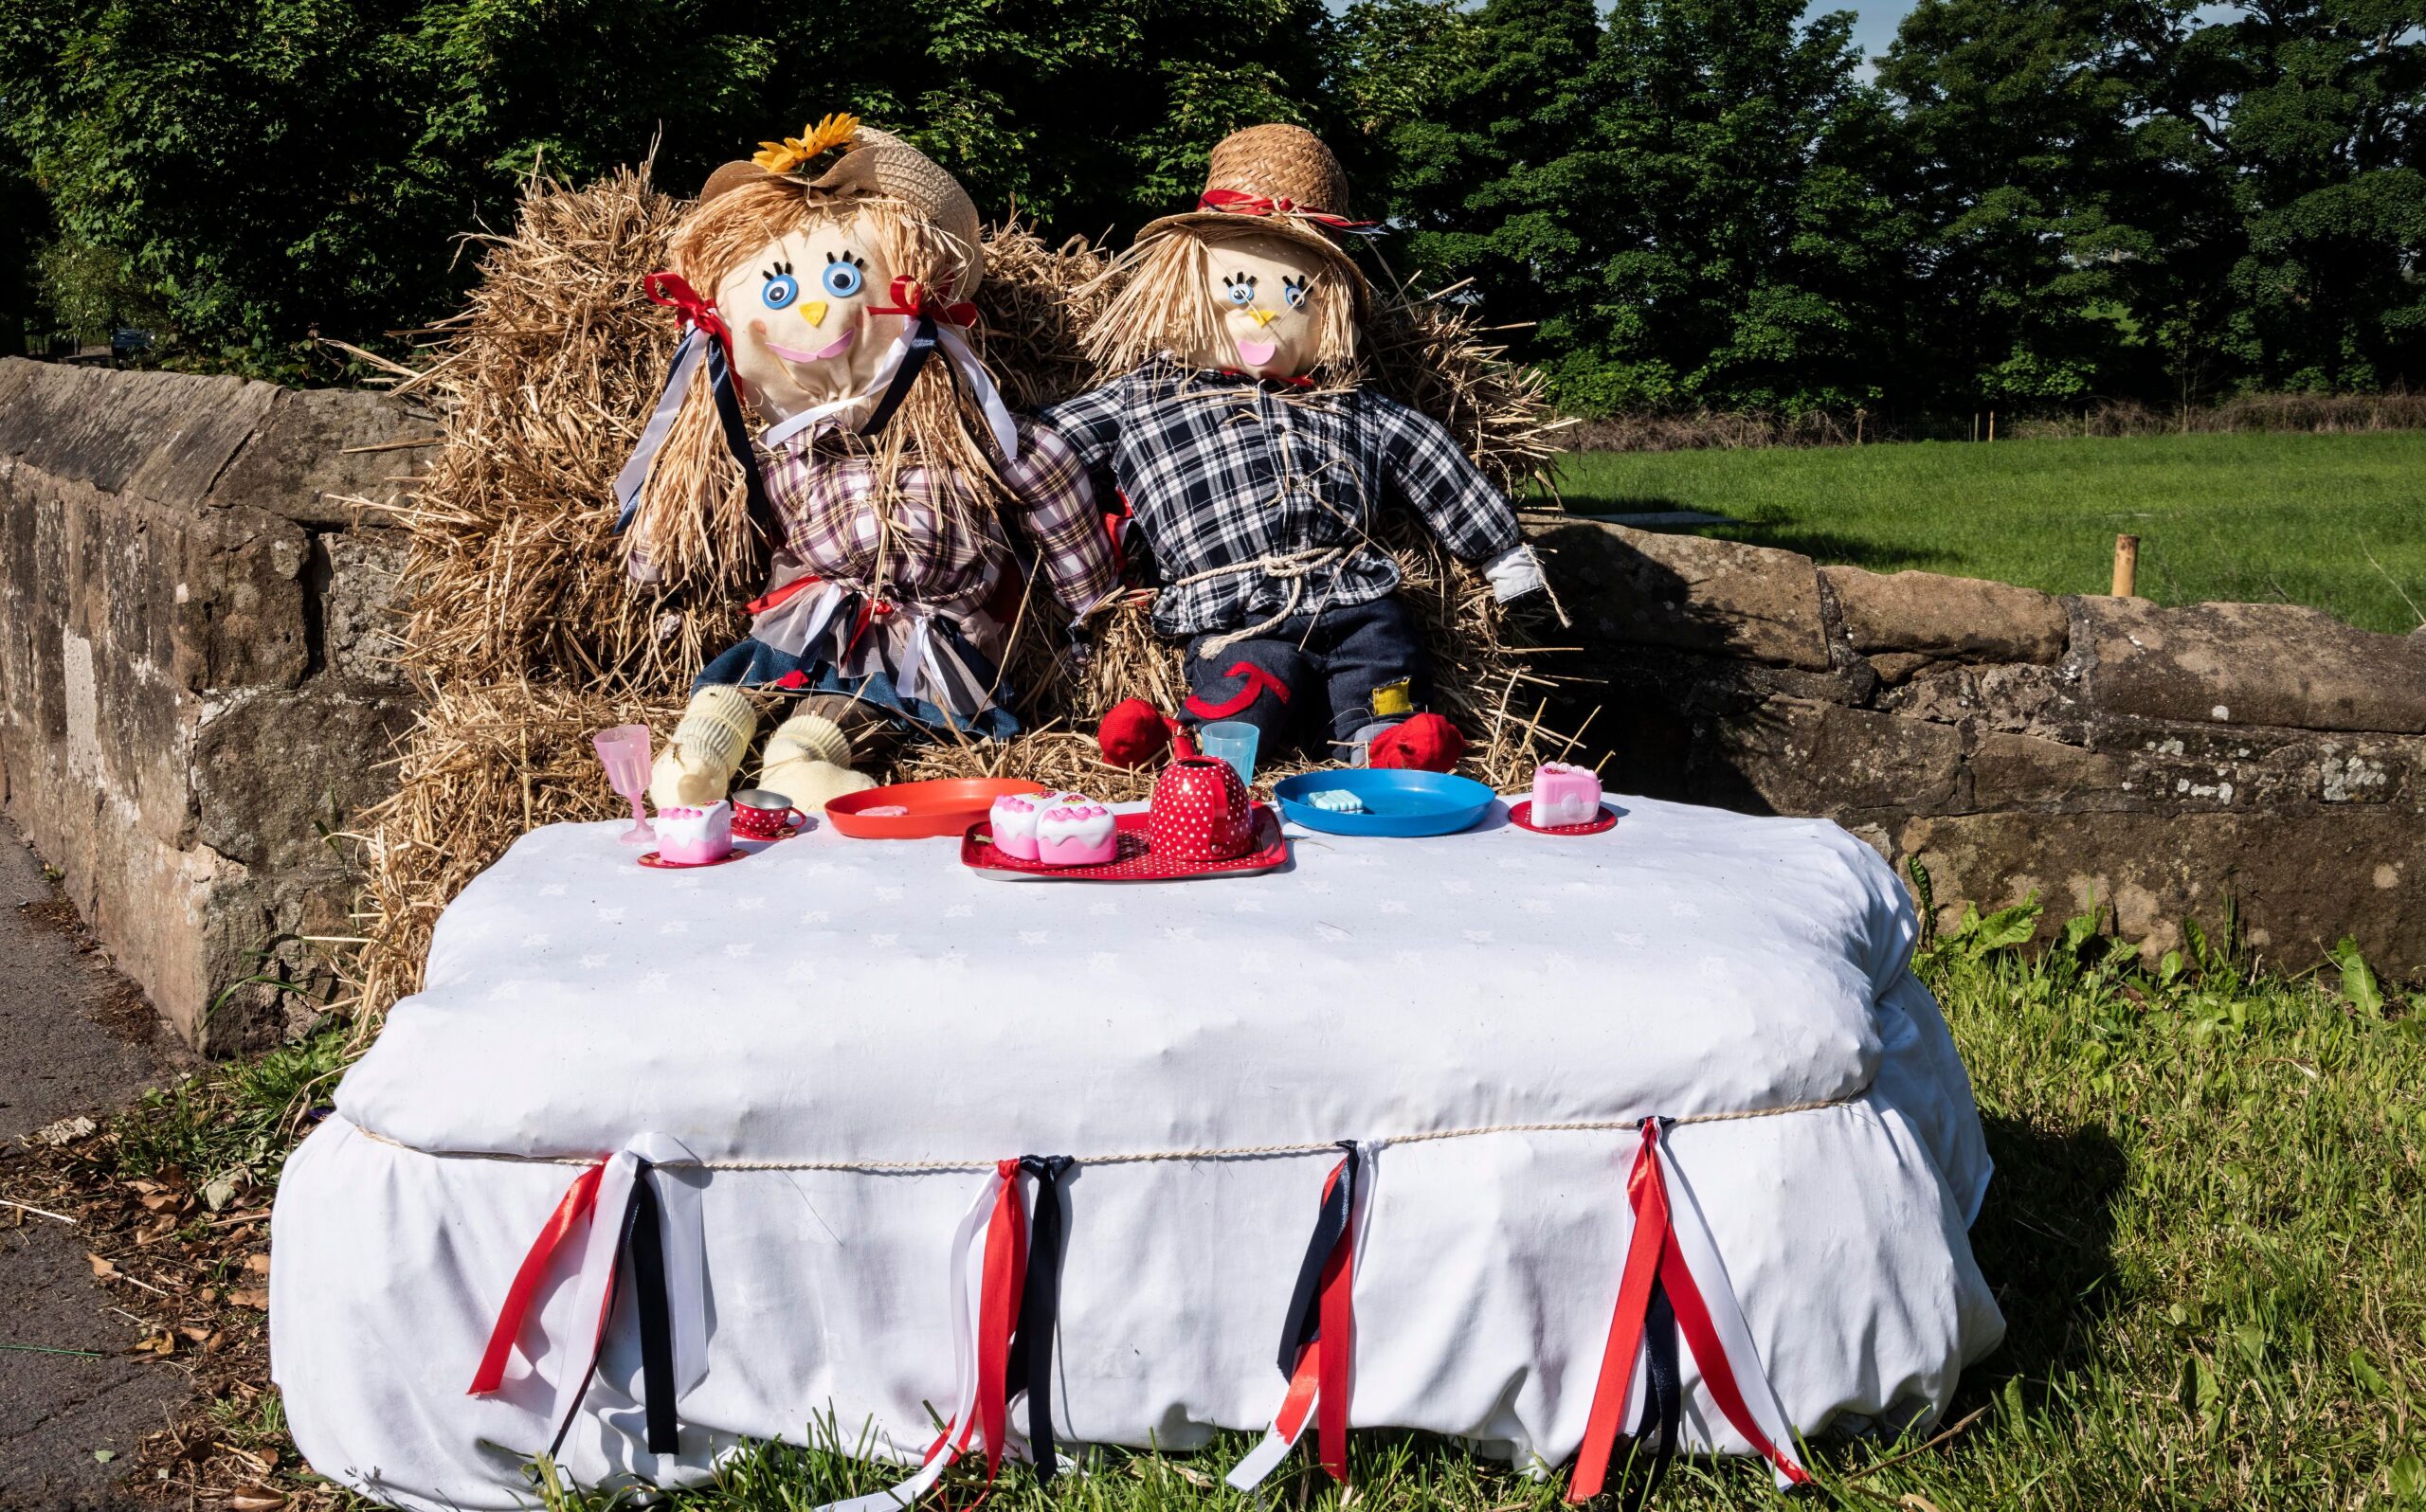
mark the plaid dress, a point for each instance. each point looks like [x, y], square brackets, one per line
[905, 599]
[1258, 502]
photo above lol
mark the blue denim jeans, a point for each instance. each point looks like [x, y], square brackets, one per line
[1337, 670]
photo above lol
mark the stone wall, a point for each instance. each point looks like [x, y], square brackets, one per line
[195, 694]
[195, 690]
[2162, 763]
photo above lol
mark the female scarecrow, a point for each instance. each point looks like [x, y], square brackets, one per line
[823, 286]
[1255, 464]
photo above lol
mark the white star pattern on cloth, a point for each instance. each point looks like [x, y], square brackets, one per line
[817, 916]
[1247, 906]
[1036, 937]
[1479, 936]
[506, 992]
[1457, 885]
[1181, 931]
[954, 961]
[553, 889]
[800, 971]
[611, 915]
[1103, 911]
[674, 926]
[888, 894]
[1631, 941]
[1408, 960]
[534, 941]
[1684, 910]
[1559, 961]
[657, 979]
[1318, 887]
[1538, 905]
[960, 911]
[884, 942]
[1393, 905]
[737, 948]
[1331, 931]
[1103, 961]
[689, 884]
[749, 904]
[594, 962]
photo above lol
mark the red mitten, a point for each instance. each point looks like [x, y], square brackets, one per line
[1426, 743]
[1134, 733]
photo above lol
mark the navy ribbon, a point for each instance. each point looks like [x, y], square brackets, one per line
[1029, 1367]
[1304, 1322]
[1663, 1400]
[640, 1254]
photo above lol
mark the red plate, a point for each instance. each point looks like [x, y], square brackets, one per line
[1522, 816]
[947, 807]
[1137, 861]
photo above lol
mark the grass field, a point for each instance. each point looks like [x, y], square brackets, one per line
[2338, 522]
[2207, 1231]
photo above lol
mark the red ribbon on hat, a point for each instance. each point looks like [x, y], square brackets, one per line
[1237, 201]
[913, 298]
[675, 292]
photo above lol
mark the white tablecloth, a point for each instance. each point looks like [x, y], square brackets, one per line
[831, 999]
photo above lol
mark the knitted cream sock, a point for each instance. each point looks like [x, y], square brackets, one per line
[808, 761]
[696, 766]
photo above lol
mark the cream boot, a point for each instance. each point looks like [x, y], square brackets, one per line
[696, 766]
[808, 761]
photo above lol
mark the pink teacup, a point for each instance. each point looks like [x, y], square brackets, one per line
[759, 814]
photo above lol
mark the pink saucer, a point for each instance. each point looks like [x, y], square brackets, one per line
[657, 863]
[1521, 814]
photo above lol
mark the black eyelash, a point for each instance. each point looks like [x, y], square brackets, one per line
[1290, 281]
[778, 270]
[1233, 279]
[856, 261]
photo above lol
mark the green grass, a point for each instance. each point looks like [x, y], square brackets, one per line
[2207, 1231]
[2338, 522]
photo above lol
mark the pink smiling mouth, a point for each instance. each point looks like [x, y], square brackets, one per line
[841, 343]
[1257, 354]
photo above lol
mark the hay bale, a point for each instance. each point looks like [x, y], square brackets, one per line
[526, 636]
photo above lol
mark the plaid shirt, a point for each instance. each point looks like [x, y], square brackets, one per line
[1224, 472]
[946, 552]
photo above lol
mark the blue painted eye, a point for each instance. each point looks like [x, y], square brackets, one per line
[1293, 290]
[1240, 287]
[780, 291]
[843, 277]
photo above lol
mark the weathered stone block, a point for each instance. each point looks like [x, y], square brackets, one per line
[2252, 664]
[1961, 618]
[1794, 756]
[362, 620]
[1714, 597]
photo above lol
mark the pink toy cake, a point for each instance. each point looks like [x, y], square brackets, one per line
[1565, 795]
[1013, 817]
[694, 836]
[1077, 831]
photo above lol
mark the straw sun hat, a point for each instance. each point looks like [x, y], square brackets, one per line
[1281, 176]
[873, 163]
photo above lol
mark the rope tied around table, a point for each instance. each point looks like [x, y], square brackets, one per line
[1227, 1152]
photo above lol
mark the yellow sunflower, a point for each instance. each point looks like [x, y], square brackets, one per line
[789, 154]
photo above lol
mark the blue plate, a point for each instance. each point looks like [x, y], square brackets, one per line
[1396, 802]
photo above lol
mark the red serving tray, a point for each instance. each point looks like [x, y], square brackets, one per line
[1137, 862]
[947, 807]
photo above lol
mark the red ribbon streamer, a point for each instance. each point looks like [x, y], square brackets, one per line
[913, 298]
[1651, 1252]
[1237, 201]
[1005, 1276]
[572, 1216]
[1335, 1347]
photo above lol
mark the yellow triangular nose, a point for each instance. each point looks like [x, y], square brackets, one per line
[1263, 317]
[813, 312]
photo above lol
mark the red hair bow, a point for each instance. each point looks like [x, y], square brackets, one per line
[913, 298]
[675, 292]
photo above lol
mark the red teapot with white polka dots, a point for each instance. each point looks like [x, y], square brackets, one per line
[1200, 811]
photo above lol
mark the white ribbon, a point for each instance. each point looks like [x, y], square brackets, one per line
[790, 626]
[914, 659]
[1267, 1455]
[634, 477]
[1700, 1251]
[967, 1295]
[682, 1233]
[957, 350]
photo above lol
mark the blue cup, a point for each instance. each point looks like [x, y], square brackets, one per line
[1233, 741]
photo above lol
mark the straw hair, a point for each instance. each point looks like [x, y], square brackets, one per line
[881, 164]
[694, 512]
[525, 638]
[1165, 302]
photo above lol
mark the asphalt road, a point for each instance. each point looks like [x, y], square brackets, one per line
[75, 1038]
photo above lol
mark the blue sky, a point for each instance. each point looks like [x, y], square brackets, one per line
[1876, 28]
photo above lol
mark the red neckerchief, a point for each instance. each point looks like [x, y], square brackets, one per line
[1304, 380]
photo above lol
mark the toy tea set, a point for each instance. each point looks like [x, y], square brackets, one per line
[1201, 820]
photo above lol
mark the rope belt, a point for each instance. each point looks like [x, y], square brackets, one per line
[1293, 567]
[1230, 1152]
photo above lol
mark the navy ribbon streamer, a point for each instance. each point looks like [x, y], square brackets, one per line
[640, 1253]
[1304, 1322]
[1029, 1367]
[1663, 1403]
[922, 342]
[735, 426]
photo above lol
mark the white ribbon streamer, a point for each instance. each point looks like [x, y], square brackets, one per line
[967, 1295]
[790, 626]
[643, 462]
[1268, 1453]
[683, 1235]
[915, 660]
[1700, 1251]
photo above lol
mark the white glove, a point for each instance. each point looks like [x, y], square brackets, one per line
[1514, 573]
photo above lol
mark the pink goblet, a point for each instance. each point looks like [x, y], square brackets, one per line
[624, 750]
